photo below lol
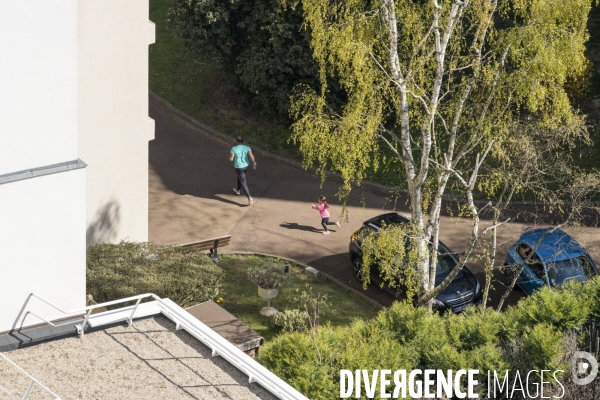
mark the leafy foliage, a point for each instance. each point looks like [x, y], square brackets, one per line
[268, 276]
[291, 320]
[396, 256]
[116, 271]
[292, 358]
[564, 309]
[450, 91]
[534, 335]
[260, 42]
[542, 345]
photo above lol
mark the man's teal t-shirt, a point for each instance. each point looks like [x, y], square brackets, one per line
[240, 159]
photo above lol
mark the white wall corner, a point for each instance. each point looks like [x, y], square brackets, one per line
[152, 33]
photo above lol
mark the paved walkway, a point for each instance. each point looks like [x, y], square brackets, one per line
[191, 198]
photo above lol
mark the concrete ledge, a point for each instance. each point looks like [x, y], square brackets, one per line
[41, 171]
[30, 336]
[67, 327]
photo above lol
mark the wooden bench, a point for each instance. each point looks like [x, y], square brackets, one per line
[208, 244]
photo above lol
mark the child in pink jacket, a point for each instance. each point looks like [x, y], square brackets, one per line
[322, 208]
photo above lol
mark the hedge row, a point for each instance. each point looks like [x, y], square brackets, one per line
[116, 271]
[539, 333]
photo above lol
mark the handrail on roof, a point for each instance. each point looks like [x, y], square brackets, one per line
[218, 344]
[32, 382]
[88, 310]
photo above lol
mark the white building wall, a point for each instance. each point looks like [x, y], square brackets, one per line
[43, 246]
[114, 127]
[38, 83]
[42, 219]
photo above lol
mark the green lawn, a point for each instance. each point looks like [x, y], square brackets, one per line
[241, 296]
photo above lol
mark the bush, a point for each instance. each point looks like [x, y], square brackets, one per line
[268, 276]
[542, 346]
[291, 320]
[472, 328]
[539, 333]
[293, 358]
[591, 293]
[116, 271]
[315, 373]
[562, 308]
[261, 43]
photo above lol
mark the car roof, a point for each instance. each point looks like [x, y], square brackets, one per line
[555, 246]
[392, 217]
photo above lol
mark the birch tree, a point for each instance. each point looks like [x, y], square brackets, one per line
[438, 86]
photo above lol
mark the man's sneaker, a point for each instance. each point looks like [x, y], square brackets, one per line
[236, 191]
[337, 224]
[250, 200]
[325, 232]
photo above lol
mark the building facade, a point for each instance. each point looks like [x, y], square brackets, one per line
[113, 123]
[74, 133]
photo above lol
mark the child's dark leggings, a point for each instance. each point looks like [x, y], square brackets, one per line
[325, 222]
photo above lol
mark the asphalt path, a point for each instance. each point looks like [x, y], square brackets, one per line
[191, 198]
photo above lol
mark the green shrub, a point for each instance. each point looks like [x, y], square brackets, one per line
[268, 276]
[473, 328]
[591, 293]
[116, 271]
[562, 308]
[537, 334]
[262, 44]
[403, 319]
[487, 357]
[315, 373]
[291, 320]
[542, 347]
[294, 359]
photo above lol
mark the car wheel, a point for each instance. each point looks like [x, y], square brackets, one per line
[357, 266]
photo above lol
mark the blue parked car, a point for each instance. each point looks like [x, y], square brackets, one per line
[557, 259]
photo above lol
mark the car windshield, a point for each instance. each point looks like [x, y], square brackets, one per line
[579, 269]
[445, 264]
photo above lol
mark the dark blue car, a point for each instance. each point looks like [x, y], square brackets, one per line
[557, 259]
[464, 289]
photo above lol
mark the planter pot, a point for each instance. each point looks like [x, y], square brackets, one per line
[267, 294]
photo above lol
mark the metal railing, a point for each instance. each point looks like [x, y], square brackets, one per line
[32, 382]
[218, 344]
[88, 310]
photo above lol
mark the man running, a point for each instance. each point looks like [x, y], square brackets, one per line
[241, 155]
